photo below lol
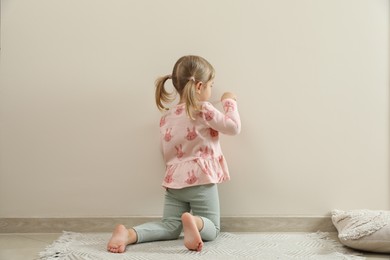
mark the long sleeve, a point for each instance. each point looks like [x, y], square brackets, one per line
[228, 122]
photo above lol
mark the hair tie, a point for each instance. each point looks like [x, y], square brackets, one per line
[192, 78]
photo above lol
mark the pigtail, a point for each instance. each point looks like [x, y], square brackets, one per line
[162, 95]
[187, 71]
[189, 94]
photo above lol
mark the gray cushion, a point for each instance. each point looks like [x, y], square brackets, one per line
[367, 230]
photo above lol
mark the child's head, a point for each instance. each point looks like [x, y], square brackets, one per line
[191, 77]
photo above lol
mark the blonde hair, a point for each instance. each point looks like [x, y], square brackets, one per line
[188, 71]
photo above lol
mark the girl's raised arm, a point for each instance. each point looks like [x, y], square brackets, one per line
[228, 122]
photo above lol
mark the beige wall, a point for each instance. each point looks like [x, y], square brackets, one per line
[79, 128]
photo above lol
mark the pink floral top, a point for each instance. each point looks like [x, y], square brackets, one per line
[191, 148]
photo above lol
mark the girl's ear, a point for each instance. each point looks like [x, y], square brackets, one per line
[199, 86]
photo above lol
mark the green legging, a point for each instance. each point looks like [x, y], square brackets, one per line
[202, 200]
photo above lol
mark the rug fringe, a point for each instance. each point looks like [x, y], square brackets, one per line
[59, 248]
[337, 246]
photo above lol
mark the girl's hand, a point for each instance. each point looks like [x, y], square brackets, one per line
[228, 95]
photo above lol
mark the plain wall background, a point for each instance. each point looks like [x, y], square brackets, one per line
[79, 127]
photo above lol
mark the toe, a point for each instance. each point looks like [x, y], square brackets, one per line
[113, 250]
[121, 249]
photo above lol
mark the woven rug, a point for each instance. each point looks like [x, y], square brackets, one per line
[92, 246]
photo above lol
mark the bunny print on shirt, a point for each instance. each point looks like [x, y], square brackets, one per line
[191, 147]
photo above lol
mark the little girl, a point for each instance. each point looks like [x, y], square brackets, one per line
[194, 160]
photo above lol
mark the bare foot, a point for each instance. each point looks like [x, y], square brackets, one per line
[121, 237]
[192, 239]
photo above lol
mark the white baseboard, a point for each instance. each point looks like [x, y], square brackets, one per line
[228, 224]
